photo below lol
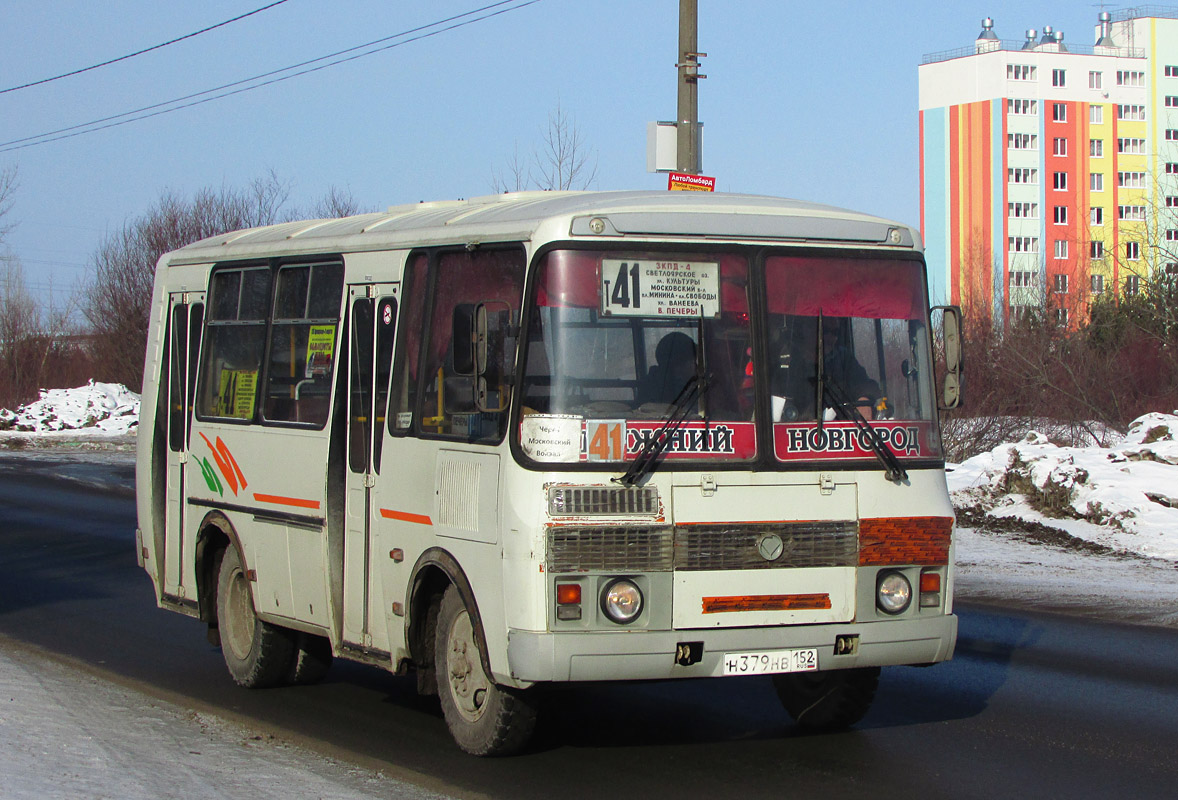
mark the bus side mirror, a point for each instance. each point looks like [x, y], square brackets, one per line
[492, 330]
[952, 338]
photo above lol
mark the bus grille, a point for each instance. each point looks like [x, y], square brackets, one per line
[576, 501]
[802, 544]
[703, 547]
[612, 549]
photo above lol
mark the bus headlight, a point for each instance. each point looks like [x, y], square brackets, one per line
[893, 592]
[621, 600]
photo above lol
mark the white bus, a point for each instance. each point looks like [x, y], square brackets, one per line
[553, 437]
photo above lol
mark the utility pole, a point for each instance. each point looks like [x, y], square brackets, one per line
[687, 154]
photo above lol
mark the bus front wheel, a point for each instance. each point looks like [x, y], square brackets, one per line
[484, 718]
[828, 700]
[257, 653]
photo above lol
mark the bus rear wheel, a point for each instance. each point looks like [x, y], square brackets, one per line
[258, 654]
[484, 718]
[829, 700]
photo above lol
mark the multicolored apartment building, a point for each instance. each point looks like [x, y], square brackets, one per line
[1049, 171]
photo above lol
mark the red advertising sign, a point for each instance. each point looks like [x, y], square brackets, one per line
[682, 182]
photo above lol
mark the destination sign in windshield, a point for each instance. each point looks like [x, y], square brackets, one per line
[659, 288]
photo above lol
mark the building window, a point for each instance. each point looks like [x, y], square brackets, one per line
[1061, 250]
[1096, 148]
[1020, 72]
[1131, 180]
[1094, 81]
[1171, 268]
[1132, 284]
[1172, 235]
[1171, 201]
[1023, 210]
[1132, 147]
[1096, 215]
[1022, 141]
[1171, 101]
[1061, 215]
[1131, 113]
[1058, 77]
[1096, 249]
[1132, 250]
[1022, 175]
[1131, 213]
[1130, 78]
[1171, 168]
[1171, 134]
[1171, 71]
[1096, 115]
[1023, 244]
[1096, 181]
[1060, 181]
[1061, 316]
[1022, 106]
[1059, 112]
[1022, 279]
[1059, 147]
[1097, 284]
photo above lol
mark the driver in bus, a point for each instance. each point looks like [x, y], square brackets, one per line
[674, 368]
[838, 364]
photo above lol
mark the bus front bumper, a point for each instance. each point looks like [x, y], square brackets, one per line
[651, 655]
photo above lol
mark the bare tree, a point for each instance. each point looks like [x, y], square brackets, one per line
[8, 186]
[335, 204]
[562, 161]
[118, 300]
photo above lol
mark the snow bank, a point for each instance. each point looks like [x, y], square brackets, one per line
[108, 408]
[1124, 496]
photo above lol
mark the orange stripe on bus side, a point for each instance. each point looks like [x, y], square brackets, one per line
[404, 516]
[297, 502]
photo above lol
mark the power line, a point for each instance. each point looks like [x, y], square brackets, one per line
[116, 120]
[141, 52]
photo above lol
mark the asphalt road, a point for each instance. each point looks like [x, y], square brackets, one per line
[1031, 706]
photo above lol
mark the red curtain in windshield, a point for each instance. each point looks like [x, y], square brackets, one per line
[842, 287]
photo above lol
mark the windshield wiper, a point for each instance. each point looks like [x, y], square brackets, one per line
[644, 463]
[892, 467]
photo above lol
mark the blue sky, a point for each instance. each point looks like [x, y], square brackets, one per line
[816, 101]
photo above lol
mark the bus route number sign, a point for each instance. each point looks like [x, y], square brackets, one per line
[659, 288]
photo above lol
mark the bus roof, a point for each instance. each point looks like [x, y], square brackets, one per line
[519, 216]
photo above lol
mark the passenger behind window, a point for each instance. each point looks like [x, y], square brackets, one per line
[673, 370]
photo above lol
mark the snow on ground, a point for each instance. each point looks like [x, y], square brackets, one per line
[1123, 498]
[65, 733]
[1084, 530]
[103, 409]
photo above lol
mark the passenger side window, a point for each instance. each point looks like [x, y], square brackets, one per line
[303, 343]
[234, 342]
[445, 404]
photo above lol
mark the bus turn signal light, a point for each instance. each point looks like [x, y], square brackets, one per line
[568, 601]
[930, 589]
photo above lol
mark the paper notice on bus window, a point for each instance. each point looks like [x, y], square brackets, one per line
[320, 346]
[551, 437]
[659, 288]
[238, 388]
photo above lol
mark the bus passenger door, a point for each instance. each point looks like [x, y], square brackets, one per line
[185, 317]
[373, 319]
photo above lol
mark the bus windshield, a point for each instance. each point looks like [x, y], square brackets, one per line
[618, 342]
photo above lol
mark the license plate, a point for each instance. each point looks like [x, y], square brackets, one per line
[768, 662]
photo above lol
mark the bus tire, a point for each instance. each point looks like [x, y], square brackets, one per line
[828, 700]
[311, 661]
[258, 654]
[484, 718]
